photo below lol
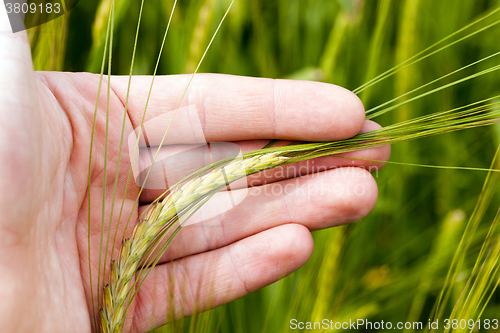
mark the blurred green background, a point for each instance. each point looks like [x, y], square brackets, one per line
[392, 265]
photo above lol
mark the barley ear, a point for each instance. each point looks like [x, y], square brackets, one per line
[160, 215]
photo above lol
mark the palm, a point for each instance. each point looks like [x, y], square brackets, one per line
[45, 145]
[72, 98]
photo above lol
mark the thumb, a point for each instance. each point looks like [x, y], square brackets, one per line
[20, 134]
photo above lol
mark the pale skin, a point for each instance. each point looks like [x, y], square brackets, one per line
[45, 132]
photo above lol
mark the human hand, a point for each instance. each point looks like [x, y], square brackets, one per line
[45, 133]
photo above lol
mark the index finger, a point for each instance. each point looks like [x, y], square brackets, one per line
[233, 108]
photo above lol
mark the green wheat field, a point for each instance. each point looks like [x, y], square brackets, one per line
[430, 248]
